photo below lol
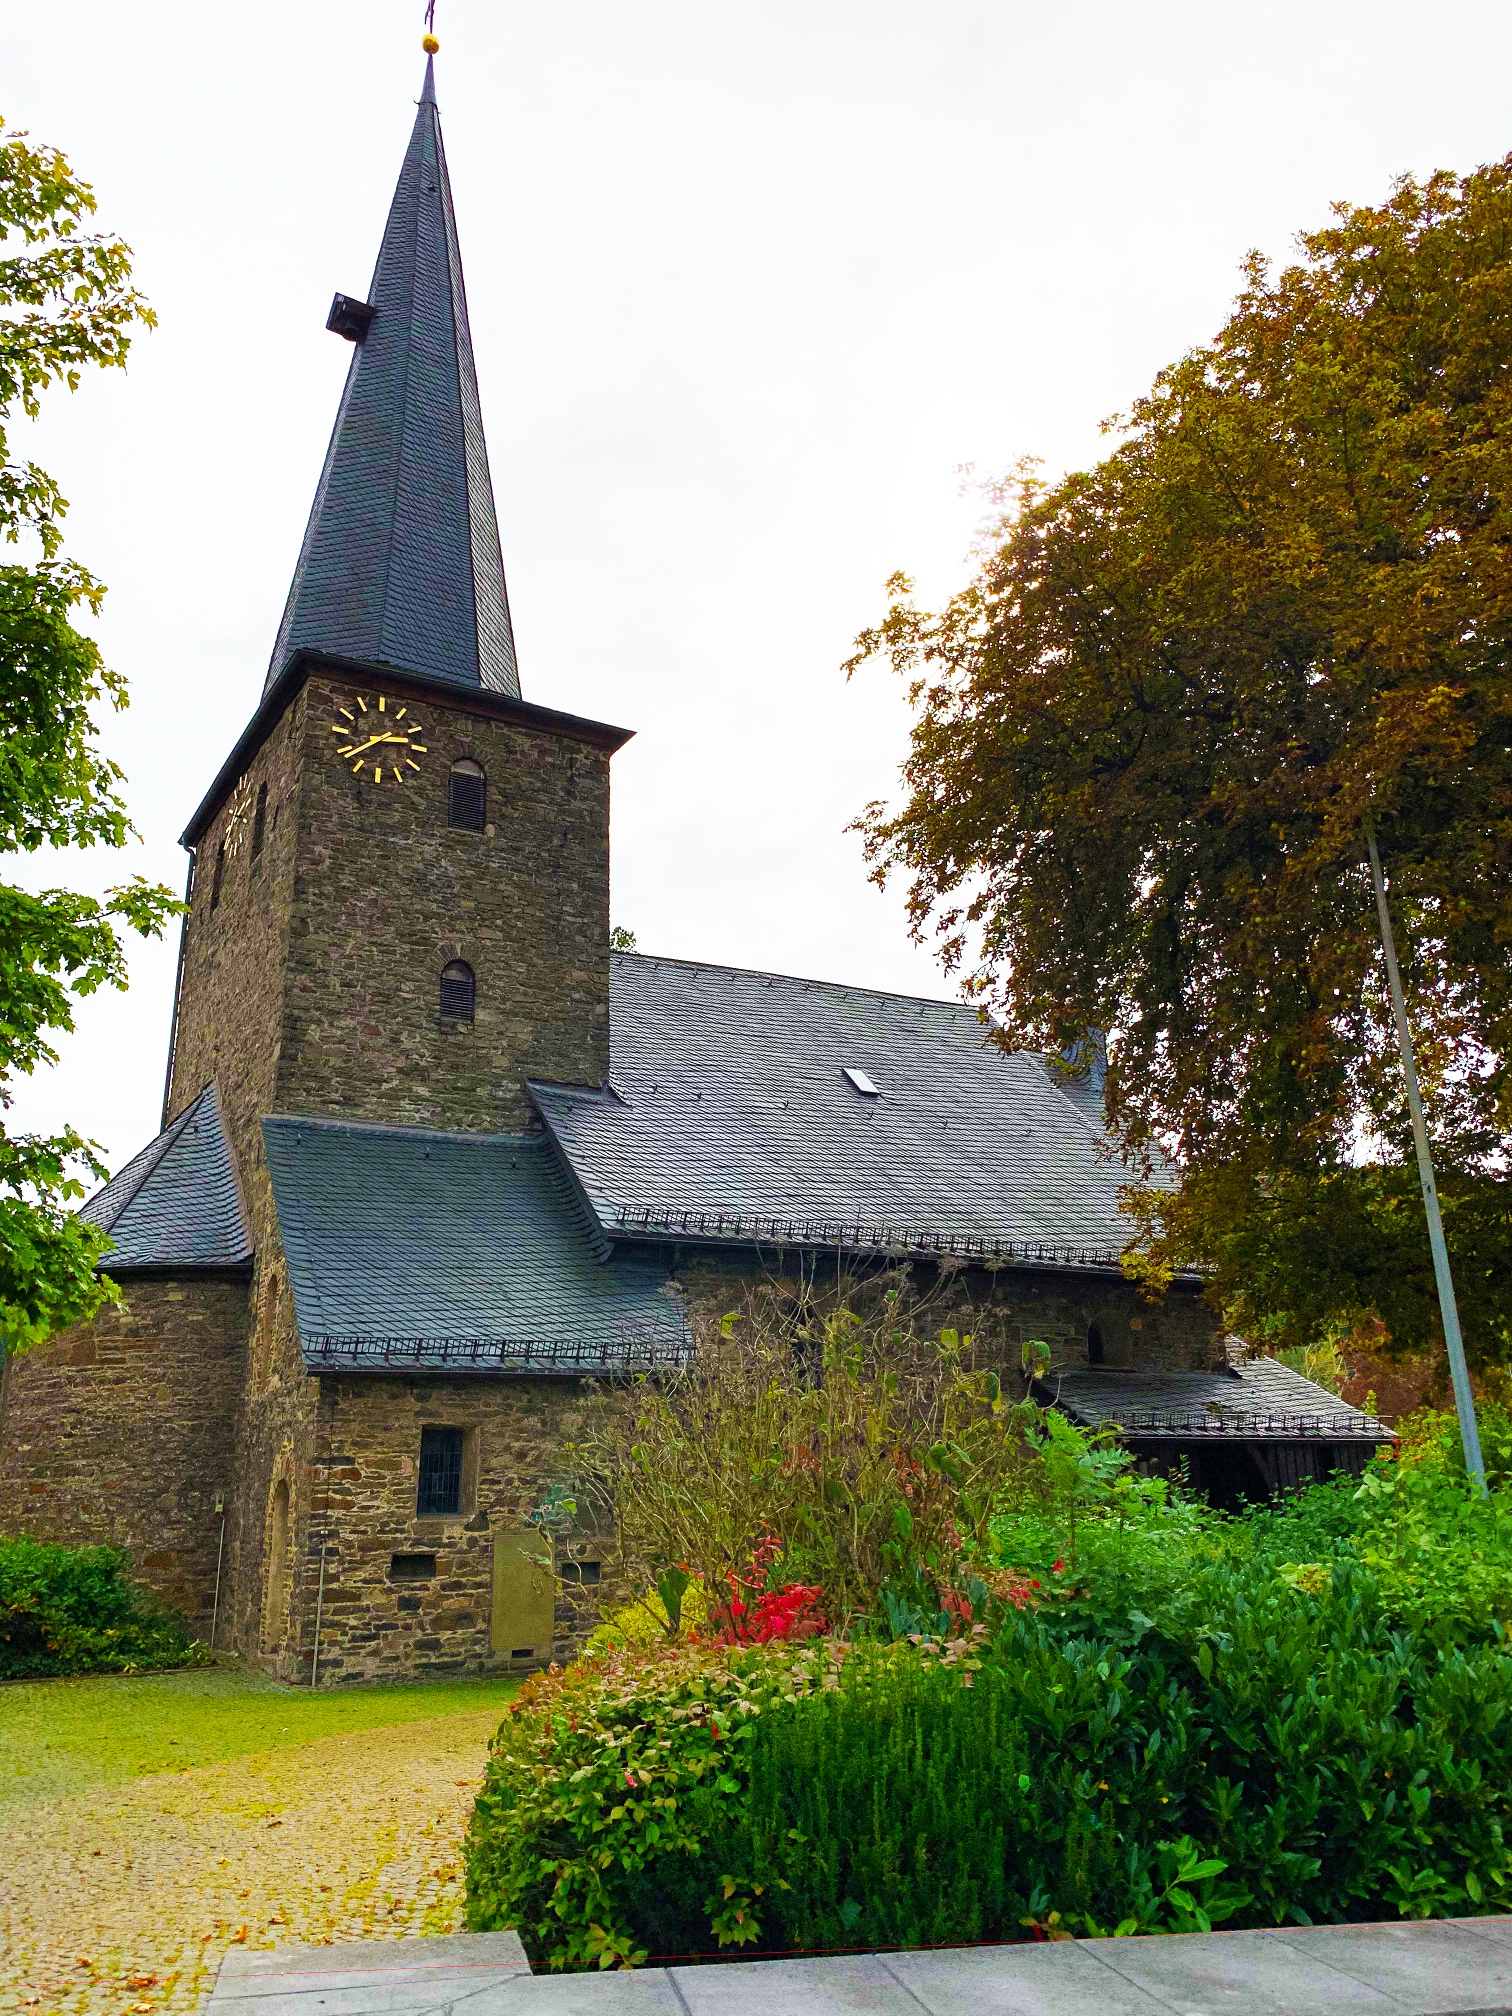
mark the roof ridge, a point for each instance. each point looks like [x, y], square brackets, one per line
[802, 980]
[145, 1162]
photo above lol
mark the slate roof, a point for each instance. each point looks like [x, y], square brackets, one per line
[176, 1204]
[462, 1252]
[1254, 1399]
[728, 1116]
[400, 563]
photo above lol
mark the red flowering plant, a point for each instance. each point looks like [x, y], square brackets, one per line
[754, 1613]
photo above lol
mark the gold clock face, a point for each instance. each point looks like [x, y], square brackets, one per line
[380, 738]
[238, 814]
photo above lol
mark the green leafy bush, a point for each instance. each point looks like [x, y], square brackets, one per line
[606, 1786]
[1267, 1756]
[72, 1610]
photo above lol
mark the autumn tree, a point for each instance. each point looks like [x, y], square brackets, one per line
[66, 302]
[1150, 733]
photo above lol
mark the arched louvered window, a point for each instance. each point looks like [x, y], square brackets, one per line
[260, 821]
[459, 992]
[467, 804]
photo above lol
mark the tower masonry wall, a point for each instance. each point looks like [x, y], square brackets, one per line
[230, 1010]
[387, 893]
[119, 1432]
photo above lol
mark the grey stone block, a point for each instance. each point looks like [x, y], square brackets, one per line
[1432, 1968]
[1488, 1928]
[1239, 1974]
[370, 1977]
[1061, 1978]
[645, 1991]
[823, 1987]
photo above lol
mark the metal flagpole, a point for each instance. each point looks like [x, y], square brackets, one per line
[1458, 1371]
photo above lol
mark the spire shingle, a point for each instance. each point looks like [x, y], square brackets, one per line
[400, 563]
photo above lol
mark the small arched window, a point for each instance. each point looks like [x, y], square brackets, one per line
[467, 805]
[1094, 1344]
[260, 821]
[218, 877]
[459, 992]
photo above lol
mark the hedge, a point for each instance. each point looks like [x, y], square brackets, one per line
[72, 1610]
[1290, 1758]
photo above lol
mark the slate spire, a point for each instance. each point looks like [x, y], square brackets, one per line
[400, 563]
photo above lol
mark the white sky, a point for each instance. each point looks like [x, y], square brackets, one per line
[747, 287]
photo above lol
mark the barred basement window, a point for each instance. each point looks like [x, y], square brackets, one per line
[459, 992]
[218, 877]
[412, 1568]
[467, 805]
[585, 1573]
[440, 1493]
[260, 821]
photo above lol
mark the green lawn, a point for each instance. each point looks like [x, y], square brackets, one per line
[61, 1737]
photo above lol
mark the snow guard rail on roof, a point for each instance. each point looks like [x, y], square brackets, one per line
[1246, 1423]
[507, 1355]
[891, 1241]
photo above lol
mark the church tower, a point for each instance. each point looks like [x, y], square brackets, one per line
[400, 900]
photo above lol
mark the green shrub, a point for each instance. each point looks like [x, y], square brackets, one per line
[606, 1787]
[72, 1610]
[1267, 1756]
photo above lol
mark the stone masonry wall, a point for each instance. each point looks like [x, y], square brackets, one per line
[231, 988]
[1005, 1309]
[120, 1432]
[387, 894]
[363, 1511]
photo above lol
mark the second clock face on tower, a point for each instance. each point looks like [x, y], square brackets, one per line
[380, 738]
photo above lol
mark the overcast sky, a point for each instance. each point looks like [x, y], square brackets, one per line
[748, 286]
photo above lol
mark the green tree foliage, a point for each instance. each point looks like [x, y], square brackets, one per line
[65, 302]
[1151, 729]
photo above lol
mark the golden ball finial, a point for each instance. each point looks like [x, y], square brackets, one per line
[429, 44]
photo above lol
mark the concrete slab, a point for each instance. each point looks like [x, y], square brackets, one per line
[1434, 1968]
[368, 1977]
[1449, 1968]
[1239, 1974]
[1487, 1928]
[646, 1991]
[825, 1987]
[1065, 1977]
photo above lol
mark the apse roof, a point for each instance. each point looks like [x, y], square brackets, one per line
[458, 1252]
[400, 564]
[177, 1203]
[736, 1110]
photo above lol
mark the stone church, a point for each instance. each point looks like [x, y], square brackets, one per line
[433, 1153]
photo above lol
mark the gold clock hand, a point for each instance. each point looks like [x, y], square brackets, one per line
[367, 745]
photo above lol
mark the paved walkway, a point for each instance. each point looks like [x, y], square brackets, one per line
[1455, 1968]
[122, 1901]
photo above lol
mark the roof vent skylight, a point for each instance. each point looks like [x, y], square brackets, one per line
[859, 1082]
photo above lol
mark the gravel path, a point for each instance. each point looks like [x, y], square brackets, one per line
[123, 1901]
